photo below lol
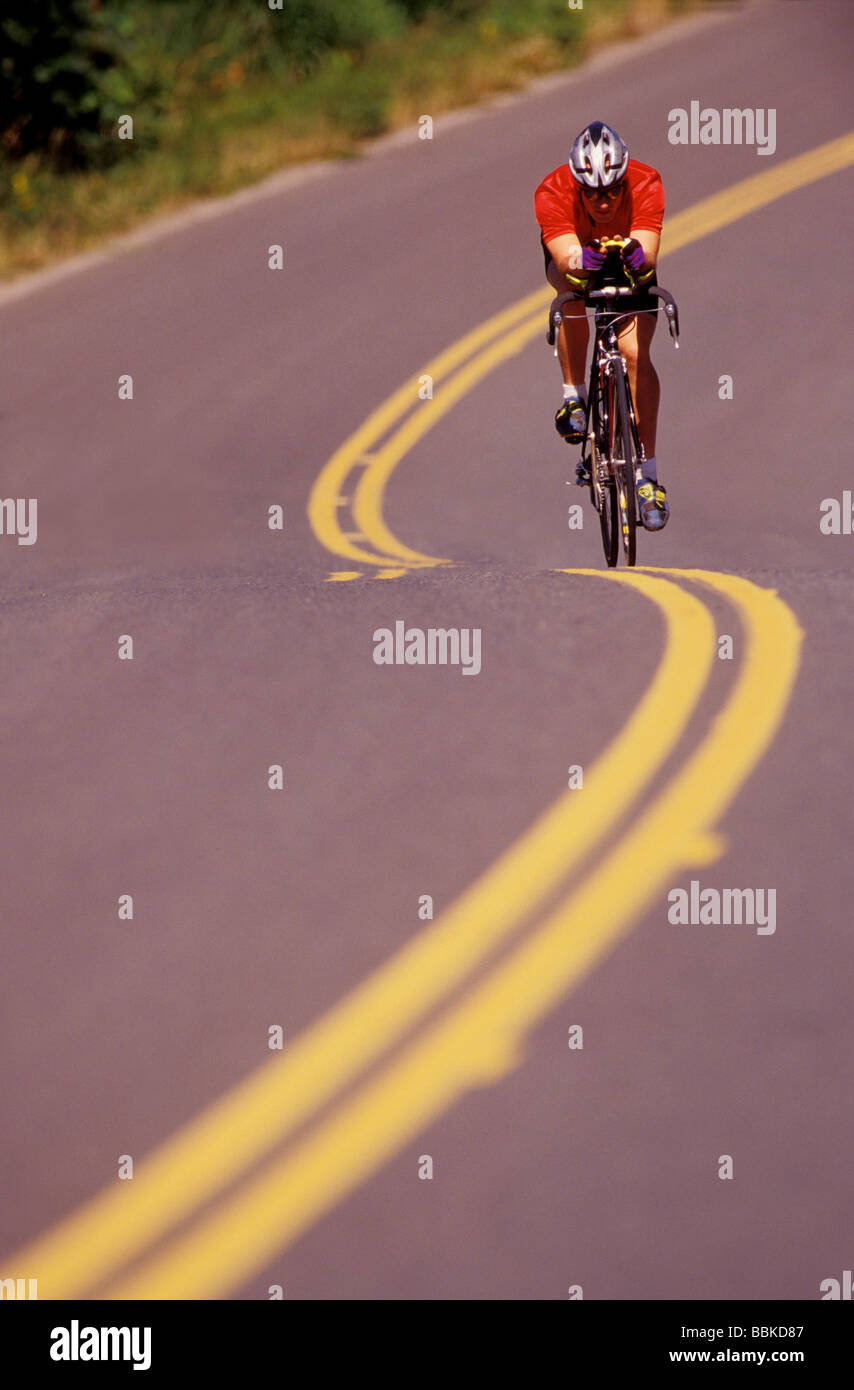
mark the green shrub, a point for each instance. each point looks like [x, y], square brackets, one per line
[455, 9]
[61, 86]
[353, 97]
[70, 68]
[307, 29]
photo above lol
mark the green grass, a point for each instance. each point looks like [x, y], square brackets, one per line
[216, 107]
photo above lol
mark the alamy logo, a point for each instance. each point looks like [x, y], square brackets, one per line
[729, 126]
[724, 906]
[837, 518]
[830, 1287]
[14, 520]
[19, 1288]
[438, 646]
[76, 1343]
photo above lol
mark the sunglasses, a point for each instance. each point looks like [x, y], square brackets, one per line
[595, 193]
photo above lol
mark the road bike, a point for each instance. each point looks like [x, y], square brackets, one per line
[611, 450]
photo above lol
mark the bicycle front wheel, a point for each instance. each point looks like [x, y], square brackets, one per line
[623, 455]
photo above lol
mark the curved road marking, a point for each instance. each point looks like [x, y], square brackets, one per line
[261, 1111]
[114, 1226]
[368, 497]
[478, 1040]
[324, 501]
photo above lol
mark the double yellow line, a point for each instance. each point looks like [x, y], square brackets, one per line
[473, 1041]
[478, 1037]
[211, 1151]
[479, 1040]
[356, 475]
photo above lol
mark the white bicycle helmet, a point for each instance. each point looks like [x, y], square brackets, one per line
[598, 158]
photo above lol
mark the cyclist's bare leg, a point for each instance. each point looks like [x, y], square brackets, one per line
[573, 333]
[635, 338]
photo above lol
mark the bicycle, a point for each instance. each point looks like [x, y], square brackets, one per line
[611, 448]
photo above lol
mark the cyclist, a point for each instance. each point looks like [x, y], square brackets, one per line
[600, 192]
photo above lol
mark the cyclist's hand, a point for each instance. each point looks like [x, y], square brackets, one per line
[592, 258]
[633, 255]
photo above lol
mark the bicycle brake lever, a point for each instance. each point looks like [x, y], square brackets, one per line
[670, 314]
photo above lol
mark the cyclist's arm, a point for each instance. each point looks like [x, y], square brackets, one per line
[565, 251]
[650, 243]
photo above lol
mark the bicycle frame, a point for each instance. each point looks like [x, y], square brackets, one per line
[611, 469]
[606, 343]
[606, 354]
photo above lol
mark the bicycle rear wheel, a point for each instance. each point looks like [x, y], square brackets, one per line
[622, 452]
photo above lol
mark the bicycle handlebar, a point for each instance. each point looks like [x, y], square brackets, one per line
[610, 244]
[671, 308]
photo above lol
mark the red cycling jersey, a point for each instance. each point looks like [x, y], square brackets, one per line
[560, 209]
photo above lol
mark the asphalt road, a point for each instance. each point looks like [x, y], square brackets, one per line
[252, 908]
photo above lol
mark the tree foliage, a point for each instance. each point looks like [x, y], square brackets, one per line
[60, 77]
[70, 68]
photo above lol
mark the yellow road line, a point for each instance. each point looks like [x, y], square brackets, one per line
[211, 1150]
[749, 195]
[368, 497]
[322, 504]
[682, 229]
[479, 1039]
[115, 1225]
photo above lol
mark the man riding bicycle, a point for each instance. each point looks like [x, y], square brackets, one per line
[601, 193]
